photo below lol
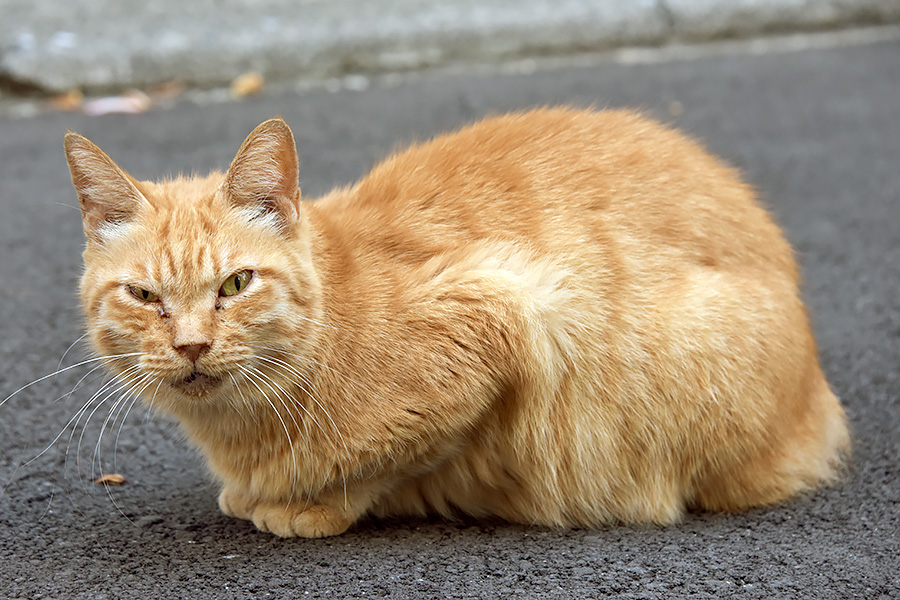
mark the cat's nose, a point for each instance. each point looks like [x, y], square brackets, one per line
[192, 351]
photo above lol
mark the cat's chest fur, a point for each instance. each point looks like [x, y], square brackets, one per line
[558, 317]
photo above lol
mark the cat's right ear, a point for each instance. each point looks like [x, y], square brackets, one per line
[108, 195]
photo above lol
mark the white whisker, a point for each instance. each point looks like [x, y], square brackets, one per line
[291, 370]
[72, 345]
[119, 404]
[121, 386]
[63, 370]
[248, 372]
[153, 398]
[360, 386]
[134, 401]
[133, 390]
[234, 403]
[72, 421]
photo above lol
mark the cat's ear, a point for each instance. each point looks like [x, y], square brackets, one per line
[108, 195]
[263, 176]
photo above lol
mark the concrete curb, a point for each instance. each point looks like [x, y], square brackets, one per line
[52, 46]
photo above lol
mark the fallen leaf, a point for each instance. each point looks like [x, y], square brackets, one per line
[247, 84]
[110, 479]
[69, 101]
[166, 91]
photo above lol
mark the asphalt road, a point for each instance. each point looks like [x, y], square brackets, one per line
[816, 131]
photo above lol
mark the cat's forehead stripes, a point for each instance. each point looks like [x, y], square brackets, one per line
[182, 267]
[187, 245]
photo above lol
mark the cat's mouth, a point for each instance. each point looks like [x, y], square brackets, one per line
[197, 384]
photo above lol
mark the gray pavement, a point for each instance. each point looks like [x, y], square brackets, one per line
[815, 131]
[52, 46]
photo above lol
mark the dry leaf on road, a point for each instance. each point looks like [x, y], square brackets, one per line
[110, 479]
[247, 84]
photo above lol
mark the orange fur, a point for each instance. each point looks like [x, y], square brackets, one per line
[558, 317]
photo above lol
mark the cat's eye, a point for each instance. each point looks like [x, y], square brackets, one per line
[142, 294]
[236, 283]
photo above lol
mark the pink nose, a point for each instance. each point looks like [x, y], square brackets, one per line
[192, 351]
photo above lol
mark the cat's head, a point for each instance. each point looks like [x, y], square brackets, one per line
[198, 289]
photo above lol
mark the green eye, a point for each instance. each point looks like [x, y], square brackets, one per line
[142, 294]
[236, 283]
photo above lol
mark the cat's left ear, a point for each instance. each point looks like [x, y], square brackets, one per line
[262, 178]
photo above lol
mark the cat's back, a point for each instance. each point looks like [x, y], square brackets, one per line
[559, 178]
[651, 302]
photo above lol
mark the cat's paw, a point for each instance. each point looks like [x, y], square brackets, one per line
[312, 522]
[235, 504]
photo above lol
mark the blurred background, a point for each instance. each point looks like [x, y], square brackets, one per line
[65, 50]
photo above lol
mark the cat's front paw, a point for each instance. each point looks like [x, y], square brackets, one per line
[314, 521]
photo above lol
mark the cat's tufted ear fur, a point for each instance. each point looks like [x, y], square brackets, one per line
[262, 179]
[108, 196]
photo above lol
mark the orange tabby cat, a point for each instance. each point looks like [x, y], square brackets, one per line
[558, 317]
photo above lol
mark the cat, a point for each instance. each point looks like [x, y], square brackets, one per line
[559, 317]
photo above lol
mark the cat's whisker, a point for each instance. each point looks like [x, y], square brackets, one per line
[75, 388]
[237, 407]
[60, 434]
[134, 399]
[134, 393]
[69, 368]
[301, 406]
[362, 387]
[131, 405]
[149, 378]
[291, 370]
[301, 375]
[304, 384]
[72, 421]
[72, 345]
[249, 377]
[280, 391]
[117, 407]
[288, 371]
[121, 385]
[98, 399]
[246, 404]
[96, 457]
[77, 385]
[265, 380]
[153, 398]
[278, 361]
